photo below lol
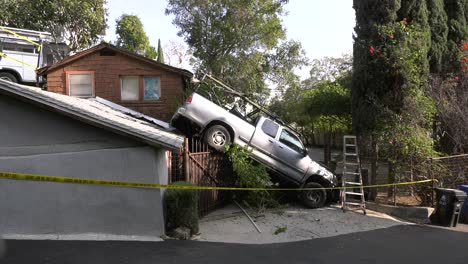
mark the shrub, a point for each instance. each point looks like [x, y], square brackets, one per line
[251, 175]
[182, 208]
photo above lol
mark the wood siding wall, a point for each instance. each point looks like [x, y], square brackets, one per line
[107, 71]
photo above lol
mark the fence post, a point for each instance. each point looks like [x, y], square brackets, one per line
[186, 160]
[433, 183]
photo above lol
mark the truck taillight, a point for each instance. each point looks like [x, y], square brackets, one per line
[189, 99]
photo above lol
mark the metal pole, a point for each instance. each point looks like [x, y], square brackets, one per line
[248, 216]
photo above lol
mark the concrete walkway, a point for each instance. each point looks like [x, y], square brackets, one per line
[294, 223]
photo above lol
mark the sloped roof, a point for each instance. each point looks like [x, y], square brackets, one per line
[92, 112]
[97, 48]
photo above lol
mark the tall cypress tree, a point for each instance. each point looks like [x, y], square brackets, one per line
[439, 33]
[160, 52]
[414, 11]
[457, 33]
[369, 79]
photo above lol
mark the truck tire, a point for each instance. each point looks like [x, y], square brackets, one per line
[8, 77]
[313, 198]
[217, 137]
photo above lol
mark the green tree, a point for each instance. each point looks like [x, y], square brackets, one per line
[230, 38]
[280, 64]
[390, 103]
[457, 33]
[328, 69]
[160, 52]
[369, 83]
[320, 103]
[132, 37]
[439, 33]
[80, 23]
[414, 11]
[328, 105]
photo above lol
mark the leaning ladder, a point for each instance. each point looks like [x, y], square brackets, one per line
[352, 193]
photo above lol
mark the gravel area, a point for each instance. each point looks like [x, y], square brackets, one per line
[294, 223]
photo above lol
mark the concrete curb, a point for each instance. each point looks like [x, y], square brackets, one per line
[413, 214]
[82, 237]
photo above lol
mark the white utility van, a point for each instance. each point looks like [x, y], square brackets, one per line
[23, 51]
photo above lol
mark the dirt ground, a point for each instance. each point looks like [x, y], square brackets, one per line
[406, 200]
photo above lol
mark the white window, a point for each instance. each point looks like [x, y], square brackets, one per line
[80, 84]
[152, 87]
[129, 88]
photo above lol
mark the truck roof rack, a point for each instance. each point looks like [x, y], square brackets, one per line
[258, 107]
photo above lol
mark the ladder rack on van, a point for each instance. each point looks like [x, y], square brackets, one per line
[16, 35]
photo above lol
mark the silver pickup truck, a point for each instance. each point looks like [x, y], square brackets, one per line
[273, 145]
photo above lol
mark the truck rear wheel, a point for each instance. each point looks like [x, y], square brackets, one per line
[217, 137]
[313, 198]
[8, 77]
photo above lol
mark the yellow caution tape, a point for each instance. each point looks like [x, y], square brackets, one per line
[22, 62]
[44, 178]
[21, 37]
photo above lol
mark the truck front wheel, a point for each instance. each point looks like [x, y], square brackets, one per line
[8, 77]
[313, 198]
[217, 137]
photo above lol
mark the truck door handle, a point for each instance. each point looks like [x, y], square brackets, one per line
[271, 141]
[280, 146]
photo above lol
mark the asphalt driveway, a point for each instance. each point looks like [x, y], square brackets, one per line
[398, 244]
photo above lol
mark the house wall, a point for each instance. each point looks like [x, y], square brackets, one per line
[33, 140]
[107, 71]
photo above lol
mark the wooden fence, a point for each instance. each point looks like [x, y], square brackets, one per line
[197, 163]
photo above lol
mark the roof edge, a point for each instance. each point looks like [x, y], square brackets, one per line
[79, 55]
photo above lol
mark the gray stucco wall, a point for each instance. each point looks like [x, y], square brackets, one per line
[33, 140]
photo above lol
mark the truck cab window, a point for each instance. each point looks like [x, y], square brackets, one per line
[270, 128]
[290, 140]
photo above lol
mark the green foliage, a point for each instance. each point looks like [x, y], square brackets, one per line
[280, 229]
[181, 208]
[151, 53]
[329, 69]
[229, 38]
[439, 33]
[415, 12]
[160, 52]
[329, 105]
[132, 37]
[320, 102]
[457, 33]
[280, 64]
[389, 96]
[251, 175]
[80, 22]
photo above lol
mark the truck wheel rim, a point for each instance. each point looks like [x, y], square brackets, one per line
[313, 196]
[219, 138]
[6, 79]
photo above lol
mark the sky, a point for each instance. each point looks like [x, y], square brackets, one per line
[324, 27]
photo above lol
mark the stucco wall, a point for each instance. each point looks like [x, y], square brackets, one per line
[37, 141]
